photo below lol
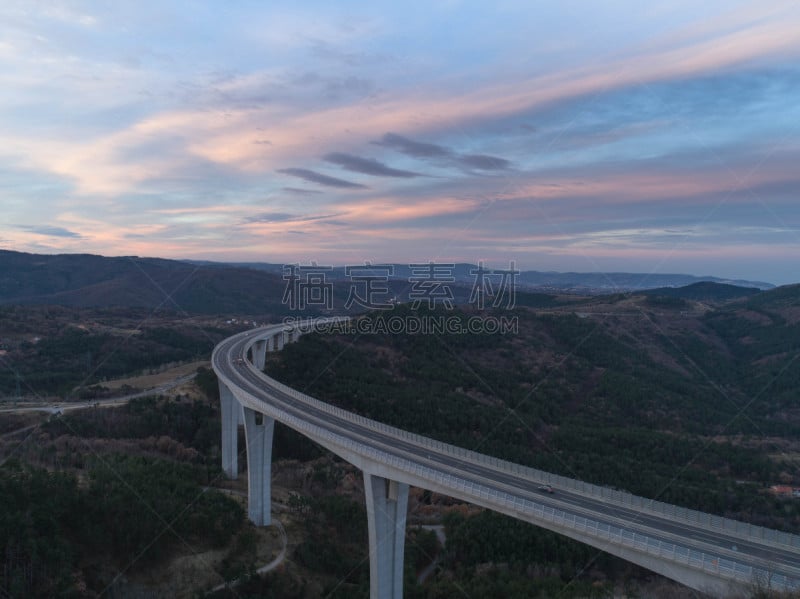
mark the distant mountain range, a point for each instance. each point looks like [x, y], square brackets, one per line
[705, 291]
[593, 282]
[85, 280]
[621, 281]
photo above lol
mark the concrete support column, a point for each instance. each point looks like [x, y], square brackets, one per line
[387, 504]
[295, 335]
[280, 339]
[258, 429]
[230, 413]
[260, 354]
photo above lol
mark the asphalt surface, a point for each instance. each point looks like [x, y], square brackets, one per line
[723, 545]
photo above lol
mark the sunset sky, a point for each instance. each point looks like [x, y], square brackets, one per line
[656, 137]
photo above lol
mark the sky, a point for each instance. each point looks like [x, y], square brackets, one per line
[658, 137]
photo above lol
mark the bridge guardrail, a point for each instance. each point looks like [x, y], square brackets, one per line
[744, 530]
[707, 562]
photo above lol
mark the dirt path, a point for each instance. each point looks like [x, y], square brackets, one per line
[430, 568]
[266, 567]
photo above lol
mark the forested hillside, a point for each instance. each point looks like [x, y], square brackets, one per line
[661, 396]
[698, 409]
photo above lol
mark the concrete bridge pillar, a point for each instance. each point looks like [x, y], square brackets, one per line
[260, 354]
[387, 503]
[258, 430]
[280, 339]
[230, 413]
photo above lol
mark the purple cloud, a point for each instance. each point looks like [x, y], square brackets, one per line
[319, 178]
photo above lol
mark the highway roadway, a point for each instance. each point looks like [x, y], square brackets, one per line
[60, 407]
[230, 362]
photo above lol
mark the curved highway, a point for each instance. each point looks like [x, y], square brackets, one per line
[727, 551]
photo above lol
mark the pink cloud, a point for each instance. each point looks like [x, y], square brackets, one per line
[296, 135]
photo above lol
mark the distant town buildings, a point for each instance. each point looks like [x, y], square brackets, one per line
[785, 491]
[244, 322]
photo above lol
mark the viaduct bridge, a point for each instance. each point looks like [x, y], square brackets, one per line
[709, 553]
